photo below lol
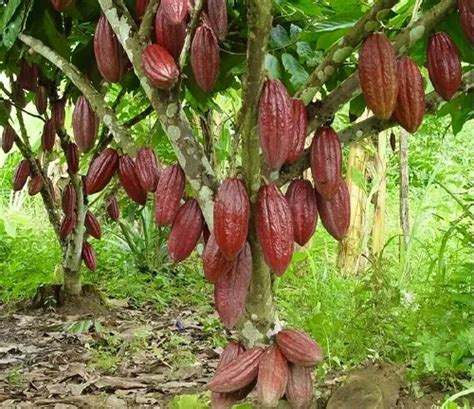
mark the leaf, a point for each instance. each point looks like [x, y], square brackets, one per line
[13, 29]
[295, 69]
[273, 67]
[280, 36]
[308, 54]
[9, 226]
[358, 178]
[357, 106]
[56, 39]
[460, 109]
[9, 11]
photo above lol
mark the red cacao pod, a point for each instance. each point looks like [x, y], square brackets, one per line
[41, 100]
[72, 158]
[48, 137]
[28, 76]
[231, 352]
[230, 291]
[140, 8]
[35, 185]
[168, 35]
[217, 13]
[214, 262]
[272, 377]
[62, 5]
[58, 113]
[300, 130]
[274, 228]
[168, 194]
[101, 171]
[335, 214]
[127, 172]
[299, 390]
[231, 217]
[238, 373]
[148, 169]
[84, 124]
[301, 198]
[175, 10]
[444, 65]
[113, 209]
[378, 75]
[326, 159]
[88, 256]
[92, 225]
[275, 123]
[299, 348]
[467, 18]
[68, 201]
[8, 138]
[470, 5]
[160, 67]
[22, 171]
[67, 226]
[205, 58]
[410, 108]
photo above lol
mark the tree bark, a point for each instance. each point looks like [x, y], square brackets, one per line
[378, 230]
[404, 189]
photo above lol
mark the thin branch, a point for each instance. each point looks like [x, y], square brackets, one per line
[104, 134]
[148, 19]
[195, 16]
[10, 100]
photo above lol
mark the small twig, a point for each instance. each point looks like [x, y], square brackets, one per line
[147, 21]
[195, 16]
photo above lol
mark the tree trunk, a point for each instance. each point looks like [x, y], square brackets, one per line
[404, 188]
[378, 230]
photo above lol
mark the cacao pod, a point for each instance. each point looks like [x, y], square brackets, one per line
[300, 130]
[274, 228]
[127, 172]
[58, 113]
[230, 291]
[62, 5]
[84, 124]
[299, 348]
[231, 217]
[470, 5]
[69, 198]
[237, 374]
[175, 10]
[67, 225]
[8, 138]
[335, 214]
[378, 75]
[140, 8]
[272, 377]
[72, 158]
[231, 352]
[205, 58]
[113, 209]
[275, 123]
[444, 65]
[301, 198]
[186, 231]
[168, 194]
[326, 159]
[168, 35]
[410, 108]
[148, 169]
[22, 171]
[159, 67]
[28, 77]
[49, 136]
[467, 18]
[217, 13]
[35, 185]
[214, 262]
[41, 100]
[101, 171]
[299, 390]
[88, 256]
[92, 225]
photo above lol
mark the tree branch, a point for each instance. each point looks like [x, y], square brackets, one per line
[195, 15]
[148, 19]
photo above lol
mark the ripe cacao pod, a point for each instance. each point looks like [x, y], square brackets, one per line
[92, 225]
[69, 198]
[326, 159]
[62, 5]
[444, 65]
[159, 67]
[231, 217]
[148, 169]
[127, 172]
[22, 171]
[205, 58]
[84, 124]
[113, 209]
[378, 75]
[41, 100]
[335, 214]
[299, 390]
[175, 10]
[72, 158]
[467, 18]
[168, 35]
[470, 5]
[272, 377]
[168, 194]
[35, 185]
[8, 138]
[231, 352]
[140, 8]
[410, 108]
[275, 123]
[274, 228]
[67, 225]
[214, 262]
[300, 130]
[301, 198]
[299, 348]
[217, 13]
[101, 171]
[88, 256]
[58, 113]
[28, 77]
[238, 373]
[230, 291]
[48, 137]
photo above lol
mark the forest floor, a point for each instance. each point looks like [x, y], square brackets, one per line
[142, 359]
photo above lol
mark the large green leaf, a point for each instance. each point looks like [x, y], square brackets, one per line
[14, 26]
[9, 11]
[273, 67]
[56, 40]
[298, 74]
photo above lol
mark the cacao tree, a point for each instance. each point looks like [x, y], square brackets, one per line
[182, 57]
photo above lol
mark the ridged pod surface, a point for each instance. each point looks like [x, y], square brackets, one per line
[72, 158]
[444, 65]
[88, 256]
[467, 18]
[272, 377]
[67, 225]
[299, 348]
[113, 209]
[101, 171]
[231, 217]
[230, 291]
[62, 5]
[410, 108]
[28, 76]
[326, 161]
[160, 67]
[301, 198]
[275, 124]
[8, 138]
[140, 8]
[84, 125]
[92, 225]
[168, 194]
[35, 185]
[22, 172]
[214, 262]
[335, 214]
[378, 75]
[128, 176]
[68, 200]
[470, 5]
[205, 58]
[48, 137]
[300, 130]
[168, 35]
[274, 228]
[186, 231]
[58, 113]
[148, 169]
[175, 10]
[41, 100]
[217, 13]
[299, 390]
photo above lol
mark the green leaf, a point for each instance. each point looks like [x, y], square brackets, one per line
[357, 106]
[273, 67]
[280, 36]
[298, 74]
[358, 178]
[56, 39]
[10, 226]
[13, 29]
[9, 11]
[460, 109]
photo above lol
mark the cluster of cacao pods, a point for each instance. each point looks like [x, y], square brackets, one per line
[282, 370]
